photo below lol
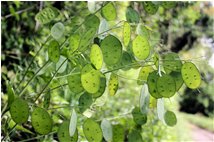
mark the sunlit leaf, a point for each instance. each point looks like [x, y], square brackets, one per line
[63, 133]
[126, 33]
[107, 130]
[113, 84]
[54, 51]
[109, 12]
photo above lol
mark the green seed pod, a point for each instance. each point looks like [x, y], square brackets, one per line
[92, 22]
[126, 33]
[54, 51]
[118, 133]
[96, 56]
[85, 102]
[19, 111]
[86, 39]
[74, 41]
[143, 74]
[134, 136]
[151, 81]
[113, 84]
[132, 15]
[74, 83]
[170, 118]
[41, 121]
[138, 117]
[102, 87]
[92, 131]
[57, 30]
[178, 79]
[47, 99]
[168, 4]
[191, 75]
[150, 7]
[109, 12]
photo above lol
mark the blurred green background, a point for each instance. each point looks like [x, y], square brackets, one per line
[186, 29]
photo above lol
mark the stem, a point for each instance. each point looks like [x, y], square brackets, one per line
[5, 138]
[50, 80]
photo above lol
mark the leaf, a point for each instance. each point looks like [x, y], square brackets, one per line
[102, 28]
[59, 63]
[75, 84]
[73, 123]
[144, 99]
[107, 130]
[57, 30]
[92, 22]
[54, 51]
[10, 93]
[19, 127]
[74, 41]
[41, 121]
[178, 79]
[166, 86]
[171, 62]
[151, 81]
[90, 79]
[92, 131]
[63, 133]
[47, 15]
[47, 99]
[100, 92]
[138, 117]
[111, 49]
[109, 12]
[132, 15]
[170, 118]
[19, 111]
[150, 7]
[191, 75]
[160, 109]
[126, 33]
[96, 56]
[134, 136]
[168, 4]
[141, 47]
[143, 74]
[142, 31]
[85, 102]
[113, 84]
[118, 133]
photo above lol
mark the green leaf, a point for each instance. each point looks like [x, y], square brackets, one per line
[144, 99]
[138, 117]
[107, 130]
[47, 15]
[142, 30]
[141, 47]
[118, 133]
[92, 21]
[19, 111]
[96, 56]
[191, 75]
[90, 79]
[109, 12]
[132, 15]
[10, 93]
[134, 136]
[170, 118]
[54, 51]
[100, 92]
[171, 62]
[41, 121]
[47, 99]
[92, 131]
[85, 102]
[74, 41]
[74, 83]
[113, 84]
[73, 123]
[150, 7]
[168, 4]
[111, 49]
[19, 127]
[57, 30]
[126, 33]
[63, 133]
[143, 74]
[166, 86]
[178, 79]
[151, 81]
[160, 109]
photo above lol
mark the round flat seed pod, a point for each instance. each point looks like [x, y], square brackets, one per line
[126, 60]
[92, 21]
[142, 30]
[102, 87]
[134, 136]
[19, 111]
[92, 131]
[132, 15]
[191, 75]
[171, 62]
[63, 133]
[47, 98]
[143, 74]
[74, 83]
[96, 56]
[141, 47]
[151, 81]
[41, 121]
[85, 102]
[111, 49]
[113, 84]
[90, 79]
[57, 30]
[166, 86]
[178, 79]
[126, 33]
[150, 7]
[109, 12]
[170, 118]
[74, 41]
[86, 39]
[118, 133]
[54, 51]
[168, 4]
[46, 15]
[138, 117]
